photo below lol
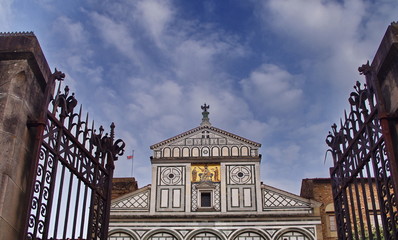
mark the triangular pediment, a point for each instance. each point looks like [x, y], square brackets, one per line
[206, 138]
[192, 137]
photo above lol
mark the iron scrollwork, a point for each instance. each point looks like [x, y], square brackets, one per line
[361, 169]
[71, 190]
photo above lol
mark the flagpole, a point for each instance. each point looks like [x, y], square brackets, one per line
[132, 163]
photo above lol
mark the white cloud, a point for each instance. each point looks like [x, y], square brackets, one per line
[323, 23]
[5, 14]
[253, 129]
[114, 33]
[332, 38]
[69, 30]
[76, 53]
[271, 88]
[155, 15]
[157, 100]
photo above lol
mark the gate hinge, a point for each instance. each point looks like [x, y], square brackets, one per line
[388, 116]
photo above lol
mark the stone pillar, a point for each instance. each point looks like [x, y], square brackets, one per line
[24, 73]
[382, 79]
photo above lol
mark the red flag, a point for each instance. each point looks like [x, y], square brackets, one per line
[130, 157]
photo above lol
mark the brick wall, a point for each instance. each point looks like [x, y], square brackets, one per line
[123, 186]
[320, 190]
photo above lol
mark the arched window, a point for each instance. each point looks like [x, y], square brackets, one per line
[293, 235]
[162, 236]
[120, 236]
[205, 236]
[331, 219]
[249, 235]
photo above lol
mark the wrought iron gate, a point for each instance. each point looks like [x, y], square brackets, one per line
[72, 175]
[362, 177]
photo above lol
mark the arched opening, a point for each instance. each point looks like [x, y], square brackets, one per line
[120, 236]
[205, 235]
[215, 151]
[176, 152]
[195, 152]
[166, 152]
[249, 235]
[294, 234]
[185, 152]
[235, 151]
[245, 151]
[161, 235]
[225, 151]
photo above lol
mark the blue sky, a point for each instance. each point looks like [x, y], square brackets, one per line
[278, 72]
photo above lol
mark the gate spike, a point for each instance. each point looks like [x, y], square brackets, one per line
[92, 135]
[112, 135]
[86, 122]
[80, 111]
[86, 130]
[79, 122]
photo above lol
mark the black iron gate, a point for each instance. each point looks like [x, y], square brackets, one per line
[362, 177]
[72, 175]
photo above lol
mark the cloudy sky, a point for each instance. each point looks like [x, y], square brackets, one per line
[277, 72]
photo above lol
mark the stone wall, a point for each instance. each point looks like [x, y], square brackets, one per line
[23, 76]
[383, 77]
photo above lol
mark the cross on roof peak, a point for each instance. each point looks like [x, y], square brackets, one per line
[205, 114]
[205, 107]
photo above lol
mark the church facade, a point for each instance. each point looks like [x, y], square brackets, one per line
[206, 186]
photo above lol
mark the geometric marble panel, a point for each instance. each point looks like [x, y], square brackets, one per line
[271, 232]
[171, 176]
[227, 232]
[140, 201]
[274, 199]
[184, 232]
[240, 174]
[312, 230]
[141, 233]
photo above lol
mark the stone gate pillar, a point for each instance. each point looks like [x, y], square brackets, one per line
[24, 74]
[382, 78]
